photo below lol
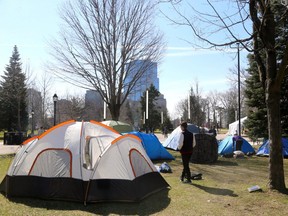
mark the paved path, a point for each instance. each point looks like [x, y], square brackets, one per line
[8, 149]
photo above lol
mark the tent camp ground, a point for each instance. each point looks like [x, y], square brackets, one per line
[55, 165]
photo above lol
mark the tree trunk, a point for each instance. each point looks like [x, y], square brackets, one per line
[276, 170]
[115, 111]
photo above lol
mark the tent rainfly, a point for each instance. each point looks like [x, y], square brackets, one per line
[153, 147]
[119, 126]
[85, 162]
[173, 139]
[234, 127]
[227, 146]
[264, 149]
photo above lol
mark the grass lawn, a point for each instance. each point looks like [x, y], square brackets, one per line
[222, 191]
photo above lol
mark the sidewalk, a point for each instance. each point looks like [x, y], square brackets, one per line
[8, 149]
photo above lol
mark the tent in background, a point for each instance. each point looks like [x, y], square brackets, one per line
[225, 147]
[264, 149]
[153, 147]
[173, 139]
[205, 149]
[85, 162]
[234, 127]
[119, 126]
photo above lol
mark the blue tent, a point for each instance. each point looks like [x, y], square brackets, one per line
[153, 147]
[264, 148]
[225, 147]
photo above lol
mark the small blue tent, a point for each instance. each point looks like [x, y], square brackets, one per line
[153, 147]
[264, 149]
[225, 147]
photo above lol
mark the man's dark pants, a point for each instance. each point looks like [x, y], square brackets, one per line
[186, 170]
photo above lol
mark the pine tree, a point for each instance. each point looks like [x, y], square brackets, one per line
[197, 115]
[256, 122]
[257, 117]
[14, 115]
[282, 37]
[154, 117]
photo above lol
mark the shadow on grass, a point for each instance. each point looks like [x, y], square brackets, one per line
[216, 191]
[225, 162]
[150, 205]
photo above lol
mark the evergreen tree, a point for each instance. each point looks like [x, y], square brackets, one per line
[281, 39]
[197, 115]
[167, 121]
[257, 117]
[256, 122]
[14, 115]
[154, 116]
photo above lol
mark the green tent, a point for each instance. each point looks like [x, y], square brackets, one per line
[119, 126]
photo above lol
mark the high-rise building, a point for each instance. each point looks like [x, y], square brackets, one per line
[150, 76]
[161, 103]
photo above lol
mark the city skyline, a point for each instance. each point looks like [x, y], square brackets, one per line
[149, 76]
[182, 65]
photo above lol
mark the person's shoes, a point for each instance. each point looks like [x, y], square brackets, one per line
[181, 179]
[186, 181]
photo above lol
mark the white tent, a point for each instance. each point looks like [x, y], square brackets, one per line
[234, 127]
[173, 139]
[82, 161]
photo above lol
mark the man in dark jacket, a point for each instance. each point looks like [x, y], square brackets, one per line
[186, 150]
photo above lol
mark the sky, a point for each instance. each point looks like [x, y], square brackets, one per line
[30, 24]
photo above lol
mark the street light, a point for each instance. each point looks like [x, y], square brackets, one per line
[32, 123]
[147, 111]
[55, 99]
[239, 105]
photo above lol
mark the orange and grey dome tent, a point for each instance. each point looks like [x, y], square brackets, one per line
[85, 162]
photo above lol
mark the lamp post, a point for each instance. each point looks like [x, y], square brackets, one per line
[147, 111]
[55, 99]
[32, 121]
[239, 105]
[189, 108]
[105, 110]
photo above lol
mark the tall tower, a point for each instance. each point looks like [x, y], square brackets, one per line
[150, 76]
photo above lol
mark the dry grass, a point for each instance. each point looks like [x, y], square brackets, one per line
[223, 191]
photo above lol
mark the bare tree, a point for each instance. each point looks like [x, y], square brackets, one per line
[182, 109]
[100, 43]
[234, 26]
[44, 85]
[71, 108]
[233, 76]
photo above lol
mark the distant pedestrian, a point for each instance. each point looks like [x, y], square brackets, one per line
[237, 142]
[186, 149]
[165, 132]
[40, 131]
[213, 131]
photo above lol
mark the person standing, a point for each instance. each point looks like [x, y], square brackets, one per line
[186, 149]
[40, 131]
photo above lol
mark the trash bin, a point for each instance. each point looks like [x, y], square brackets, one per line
[239, 143]
[13, 138]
